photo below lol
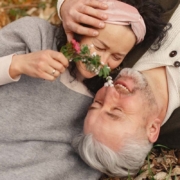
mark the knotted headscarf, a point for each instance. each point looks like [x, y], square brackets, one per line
[125, 14]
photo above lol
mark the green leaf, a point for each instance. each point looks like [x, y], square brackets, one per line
[92, 62]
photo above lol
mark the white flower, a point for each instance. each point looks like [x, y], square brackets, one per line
[106, 84]
[83, 60]
[91, 67]
[91, 46]
[108, 78]
[108, 67]
[109, 82]
[102, 63]
[96, 71]
[93, 54]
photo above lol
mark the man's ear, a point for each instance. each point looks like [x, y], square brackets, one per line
[153, 129]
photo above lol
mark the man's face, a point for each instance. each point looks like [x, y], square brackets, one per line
[120, 110]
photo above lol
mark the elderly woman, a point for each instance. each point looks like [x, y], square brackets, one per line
[39, 118]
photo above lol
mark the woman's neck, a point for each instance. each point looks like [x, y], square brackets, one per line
[79, 76]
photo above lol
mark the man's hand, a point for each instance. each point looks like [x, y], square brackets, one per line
[74, 12]
[46, 64]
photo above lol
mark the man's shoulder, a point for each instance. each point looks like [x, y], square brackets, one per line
[28, 21]
[30, 27]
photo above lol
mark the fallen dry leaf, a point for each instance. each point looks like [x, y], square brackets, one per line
[161, 176]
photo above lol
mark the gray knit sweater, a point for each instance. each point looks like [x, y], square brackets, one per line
[38, 118]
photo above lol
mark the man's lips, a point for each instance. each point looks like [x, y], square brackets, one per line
[121, 87]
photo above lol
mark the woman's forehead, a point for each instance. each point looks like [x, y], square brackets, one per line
[120, 37]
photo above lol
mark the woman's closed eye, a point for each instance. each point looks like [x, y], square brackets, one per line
[117, 57]
[99, 48]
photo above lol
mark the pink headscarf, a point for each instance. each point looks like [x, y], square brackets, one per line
[125, 14]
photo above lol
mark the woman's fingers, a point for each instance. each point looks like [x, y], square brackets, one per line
[54, 65]
[94, 9]
[79, 30]
[46, 64]
[54, 71]
[59, 59]
[77, 12]
[51, 75]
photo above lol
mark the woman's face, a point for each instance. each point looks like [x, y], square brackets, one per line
[113, 43]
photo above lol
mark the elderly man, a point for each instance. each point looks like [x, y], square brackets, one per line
[124, 120]
[71, 11]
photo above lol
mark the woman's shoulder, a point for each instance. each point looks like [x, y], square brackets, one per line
[169, 7]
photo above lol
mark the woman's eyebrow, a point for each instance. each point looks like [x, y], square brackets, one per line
[121, 54]
[103, 43]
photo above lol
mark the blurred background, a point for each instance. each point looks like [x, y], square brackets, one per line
[11, 10]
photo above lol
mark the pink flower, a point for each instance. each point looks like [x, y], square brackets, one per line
[76, 46]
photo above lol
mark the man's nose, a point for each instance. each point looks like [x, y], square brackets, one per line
[111, 95]
[110, 100]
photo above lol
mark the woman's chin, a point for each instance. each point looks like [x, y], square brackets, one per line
[87, 74]
[84, 72]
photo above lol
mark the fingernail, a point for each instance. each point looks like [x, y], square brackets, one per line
[104, 5]
[101, 24]
[104, 16]
[95, 33]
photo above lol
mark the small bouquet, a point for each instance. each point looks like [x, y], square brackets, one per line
[74, 52]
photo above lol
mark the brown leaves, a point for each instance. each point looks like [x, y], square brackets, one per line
[161, 164]
[4, 18]
[15, 9]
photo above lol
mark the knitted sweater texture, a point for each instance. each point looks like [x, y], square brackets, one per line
[38, 118]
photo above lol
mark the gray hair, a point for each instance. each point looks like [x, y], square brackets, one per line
[123, 163]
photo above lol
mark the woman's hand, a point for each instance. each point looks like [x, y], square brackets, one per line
[74, 12]
[46, 64]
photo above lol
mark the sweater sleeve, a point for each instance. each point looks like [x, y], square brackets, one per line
[25, 35]
[5, 63]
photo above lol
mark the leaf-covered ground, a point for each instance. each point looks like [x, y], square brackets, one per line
[11, 10]
[162, 163]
